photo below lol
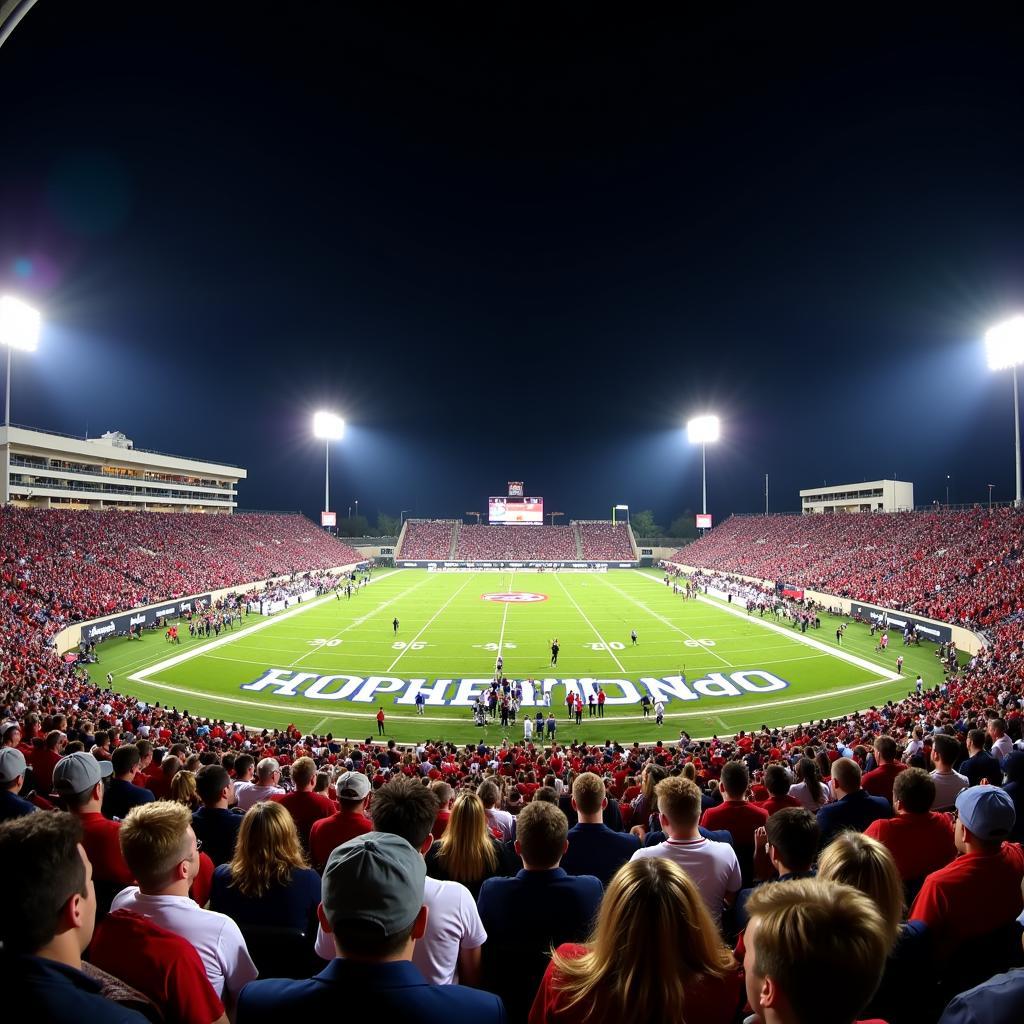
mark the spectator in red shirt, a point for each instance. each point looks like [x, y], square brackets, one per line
[304, 805]
[78, 779]
[805, 938]
[445, 798]
[879, 781]
[777, 782]
[981, 890]
[353, 790]
[45, 758]
[737, 816]
[919, 839]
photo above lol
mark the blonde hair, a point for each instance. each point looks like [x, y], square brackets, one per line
[858, 860]
[806, 934]
[303, 771]
[154, 840]
[679, 800]
[589, 792]
[466, 849]
[183, 789]
[653, 937]
[267, 851]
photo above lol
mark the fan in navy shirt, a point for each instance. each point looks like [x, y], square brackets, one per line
[855, 808]
[980, 764]
[12, 778]
[121, 794]
[214, 825]
[594, 848]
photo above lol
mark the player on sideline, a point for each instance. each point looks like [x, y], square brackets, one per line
[554, 651]
[394, 625]
[632, 636]
[899, 665]
[919, 686]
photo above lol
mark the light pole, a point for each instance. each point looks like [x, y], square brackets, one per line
[401, 516]
[328, 428]
[357, 508]
[19, 329]
[947, 490]
[990, 486]
[1004, 345]
[703, 430]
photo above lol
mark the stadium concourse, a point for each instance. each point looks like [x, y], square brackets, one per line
[724, 833]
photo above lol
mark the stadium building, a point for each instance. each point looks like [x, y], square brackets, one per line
[871, 496]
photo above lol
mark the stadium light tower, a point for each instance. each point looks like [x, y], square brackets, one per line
[19, 328]
[703, 430]
[328, 427]
[1004, 345]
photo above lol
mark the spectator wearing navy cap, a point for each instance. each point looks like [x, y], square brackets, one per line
[980, 891]
[372, 903]
[12, 778]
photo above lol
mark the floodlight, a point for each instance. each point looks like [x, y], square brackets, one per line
[328, 427]
[703, 429]
[1004, 344]
[19, 324]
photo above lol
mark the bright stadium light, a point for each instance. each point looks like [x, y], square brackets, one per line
[19, 329]
[327, 427]
[703, 430]
[1004, 346]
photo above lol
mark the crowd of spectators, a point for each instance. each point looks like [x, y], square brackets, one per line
[426, 539]
[960, 566]
[601, 541]
[516, 543]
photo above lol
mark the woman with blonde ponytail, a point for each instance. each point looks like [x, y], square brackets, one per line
[654, 955]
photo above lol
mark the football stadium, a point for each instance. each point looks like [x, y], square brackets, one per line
[762, 766]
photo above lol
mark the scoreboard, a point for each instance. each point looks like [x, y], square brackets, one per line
[520, 510]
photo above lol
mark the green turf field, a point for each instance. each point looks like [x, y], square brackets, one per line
[328, 665]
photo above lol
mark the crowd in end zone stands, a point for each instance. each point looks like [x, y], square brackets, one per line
[603, 540]
[160, 866]
[424, 539]
[516, 542]
[958, 566]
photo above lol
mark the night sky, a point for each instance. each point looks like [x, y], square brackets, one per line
[507, 243]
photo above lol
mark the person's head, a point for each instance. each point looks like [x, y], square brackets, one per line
[945, 751]
[268, 850]
[353, 790]
[183, 789]
[160, 848]
[803, 939]
[985, 818]
[444, 793]
[304, 774]
[55, 740]
[653, 937]
[489, 795]
[541, 830]
[406, 808]
[268, 771]
[12, 769]
[245, 767]
[886, 750]
[913, 791]
[588, 796]
[125, 760]
[997, 728]
[735, 780]
[214, 786]
[50, 905]
[145, 749]
[793, 837]
[846, 775]
[807, 772]
[10, 734]
[976, 741]
[466, 847]
[373, 897]
[78, 779]
[853, 858]
[678, 804]
[776, 780]
[652, 775]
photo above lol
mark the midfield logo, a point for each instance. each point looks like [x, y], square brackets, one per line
[514, 597]
[283, 682]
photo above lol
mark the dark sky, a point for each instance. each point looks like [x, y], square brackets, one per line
[507, 243]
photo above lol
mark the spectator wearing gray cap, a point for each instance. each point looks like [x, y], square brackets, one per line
[353, 789]
[980, 891]
[12, 778]
[78, 779]
[372, 903]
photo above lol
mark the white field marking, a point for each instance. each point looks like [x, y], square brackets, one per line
[504, 616]
[408, 646]
[323, 721]
[801, 638]
[611, 653]
[188, 655]
[667, 622]
[712, 711]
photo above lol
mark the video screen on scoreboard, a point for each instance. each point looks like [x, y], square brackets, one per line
[526, 510]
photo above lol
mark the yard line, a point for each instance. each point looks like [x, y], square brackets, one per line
[589, 623]
[428, 622]
[667, 622]
[501, 638]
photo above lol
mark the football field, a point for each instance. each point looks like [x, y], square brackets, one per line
[329, 664]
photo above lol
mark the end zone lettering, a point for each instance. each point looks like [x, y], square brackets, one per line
[283, 682]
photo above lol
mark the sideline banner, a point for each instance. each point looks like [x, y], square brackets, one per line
[118, 625]
[900, 620]
[438, 565]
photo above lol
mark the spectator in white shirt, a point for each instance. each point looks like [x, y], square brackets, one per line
[713, 867]
[268, 774]
[946, 753]
[1001, 743]
[449, 952]
[496, 817]
[160, 848]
